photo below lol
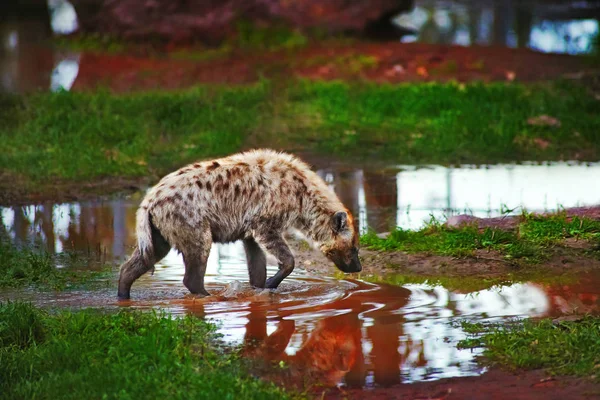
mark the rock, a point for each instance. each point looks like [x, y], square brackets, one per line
[212, 21]
[456, 221]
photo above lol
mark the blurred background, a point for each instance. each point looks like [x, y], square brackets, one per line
[27, 27]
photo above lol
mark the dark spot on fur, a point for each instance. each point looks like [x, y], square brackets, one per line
[197, 165]
[226, 186]
[219, 178]
[236, 190]
[208, 186]
[228, 174]
[190, 196]
[199, 184]
[244, 192]
[213, 166]
[242, 164]
[181, 172]
[172, 187]
[178, 196]
[158, 192]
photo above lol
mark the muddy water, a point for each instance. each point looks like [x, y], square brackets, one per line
[340, 331]
[335, 331]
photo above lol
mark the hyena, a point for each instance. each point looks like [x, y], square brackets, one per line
[253, 196]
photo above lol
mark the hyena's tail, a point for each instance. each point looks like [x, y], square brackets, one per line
[144, 236]
[152, 247]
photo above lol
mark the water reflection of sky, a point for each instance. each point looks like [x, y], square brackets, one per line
[496, 22]
[404, 196]
[63, 18]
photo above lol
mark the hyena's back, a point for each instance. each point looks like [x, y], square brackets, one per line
[232, 196]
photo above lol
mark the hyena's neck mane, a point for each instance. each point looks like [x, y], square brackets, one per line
[319, 204]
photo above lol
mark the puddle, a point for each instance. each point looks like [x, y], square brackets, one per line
[558, 27]
[337, 331]
[340, 331]
[403, 196]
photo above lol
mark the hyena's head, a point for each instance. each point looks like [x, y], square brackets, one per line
[342, 248]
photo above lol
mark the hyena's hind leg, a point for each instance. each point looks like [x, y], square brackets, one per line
[276, 245]
[257, 263]
[134, 267]
[195, 257]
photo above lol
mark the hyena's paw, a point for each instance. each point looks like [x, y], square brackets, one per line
[272, 283]
[200, 293]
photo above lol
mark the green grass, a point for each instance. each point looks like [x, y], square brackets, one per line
[79, 136]
[82, 136]
[567, 347]
[125, 355]
[23, 266]
[534, 235]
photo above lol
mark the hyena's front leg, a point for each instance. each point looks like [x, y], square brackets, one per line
[257, 263]
[276, 245]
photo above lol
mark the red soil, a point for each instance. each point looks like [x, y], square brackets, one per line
[380, 62]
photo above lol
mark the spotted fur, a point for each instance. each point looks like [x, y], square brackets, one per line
[253, 196]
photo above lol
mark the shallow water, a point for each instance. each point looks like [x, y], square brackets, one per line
[340, 331]
[336, 331]
[557, 27]
[402, 196]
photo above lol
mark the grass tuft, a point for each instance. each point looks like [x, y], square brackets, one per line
[126, 355]
[565, 347]
[20, 267]
[534, 234]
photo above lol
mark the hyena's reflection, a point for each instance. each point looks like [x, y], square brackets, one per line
[328, 353]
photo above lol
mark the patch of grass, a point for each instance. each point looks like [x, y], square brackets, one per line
[535, 233]
[275, 37]
[554, 228]
[355, 63]
[443, 123]
[82, 136]
[439, 239]
[204, 54]
[78, 136]
[566, 347]
[20, 267]
[125, 355]
[91, 43]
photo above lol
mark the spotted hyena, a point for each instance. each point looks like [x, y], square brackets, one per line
[254, 197]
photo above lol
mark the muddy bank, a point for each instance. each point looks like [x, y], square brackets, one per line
[570, 256]
[494, 384]
[15, 191]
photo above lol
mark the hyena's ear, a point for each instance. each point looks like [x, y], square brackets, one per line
[339, 221]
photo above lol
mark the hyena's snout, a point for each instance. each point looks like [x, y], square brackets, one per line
[348, 264]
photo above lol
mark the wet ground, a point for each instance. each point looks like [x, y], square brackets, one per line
[337, 331]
